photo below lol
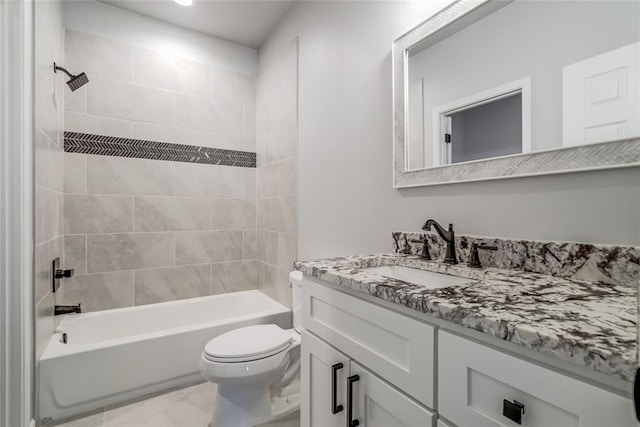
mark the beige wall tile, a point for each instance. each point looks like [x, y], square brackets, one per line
[287, 176]
[90, 213]
[114, 98]
[233, 214]
[118, 175]
[233, 87]
[171, 134]
[249, 123]
[76, 101]
[48, 212]
[111, 252]
[274, 283]
[233, 276]
[195, 112]
[207, 180]
[75, 173]
[42, 271]
[172, 283]
[287, 251]
[44, 323]
[75, 253]
[198, 247]
[98, 125]
[41, 165]
[249, 183]
[287, 221]
[249, 244]
[282, 141]
[100, 291]
[169, 72]
[55, 170]
[171, 213]
[268, 246]
[267, 180]
[98, 56]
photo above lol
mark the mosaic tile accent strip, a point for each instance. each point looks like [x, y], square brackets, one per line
[85, 143]
[612, 265]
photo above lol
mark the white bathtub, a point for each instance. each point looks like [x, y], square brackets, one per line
[117, 355]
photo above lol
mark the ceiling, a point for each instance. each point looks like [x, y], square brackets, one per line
[245, 22]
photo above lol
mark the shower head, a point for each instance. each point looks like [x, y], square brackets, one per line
[76, 82]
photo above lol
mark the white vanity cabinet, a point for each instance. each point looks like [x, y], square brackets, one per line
[341, 389]
[475, 380]
[389, 361]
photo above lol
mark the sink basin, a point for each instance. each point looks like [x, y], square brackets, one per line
[427, 279]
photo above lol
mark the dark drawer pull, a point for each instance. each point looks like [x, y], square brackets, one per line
[350, 421]
[513, 410]
[334, 386]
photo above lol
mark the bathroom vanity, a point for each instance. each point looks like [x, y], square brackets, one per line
[495, 347]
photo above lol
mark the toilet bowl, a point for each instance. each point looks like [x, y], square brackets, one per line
[256, 369]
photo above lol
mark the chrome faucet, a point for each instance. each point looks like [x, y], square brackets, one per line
[448, 236]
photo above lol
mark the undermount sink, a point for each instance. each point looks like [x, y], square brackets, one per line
[427, 279]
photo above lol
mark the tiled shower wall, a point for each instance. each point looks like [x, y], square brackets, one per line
[277, 148]
[141, 231]
[49, 90]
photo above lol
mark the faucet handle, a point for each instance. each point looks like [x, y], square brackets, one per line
[425, 255]
[474, 258]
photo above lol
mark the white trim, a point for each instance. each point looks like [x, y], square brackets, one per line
[16, 212]
[441, 112]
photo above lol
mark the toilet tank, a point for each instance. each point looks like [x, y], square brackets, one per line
[295, 281]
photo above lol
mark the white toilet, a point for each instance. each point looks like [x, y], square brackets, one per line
[257, 370]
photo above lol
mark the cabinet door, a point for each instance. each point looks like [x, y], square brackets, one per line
[322, 377]
[378, 404]
[477, 386]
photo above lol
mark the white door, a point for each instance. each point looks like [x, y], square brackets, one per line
[378, 404]
[324, 369]
[601, 97]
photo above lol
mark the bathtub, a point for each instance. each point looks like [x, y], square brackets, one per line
[114, 356]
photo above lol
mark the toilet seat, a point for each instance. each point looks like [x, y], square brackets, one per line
[248, 344]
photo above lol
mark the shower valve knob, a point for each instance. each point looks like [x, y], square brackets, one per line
[64, 273]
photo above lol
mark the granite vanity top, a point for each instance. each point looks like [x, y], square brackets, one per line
[592, 324]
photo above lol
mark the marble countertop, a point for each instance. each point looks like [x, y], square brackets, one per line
[586, 323]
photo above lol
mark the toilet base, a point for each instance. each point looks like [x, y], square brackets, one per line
[249, 407]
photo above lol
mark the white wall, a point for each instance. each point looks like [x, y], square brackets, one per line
[129, 27]
[346, 201]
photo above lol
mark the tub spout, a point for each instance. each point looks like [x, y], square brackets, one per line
[67, 309]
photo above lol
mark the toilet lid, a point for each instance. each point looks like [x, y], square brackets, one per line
[249, 343]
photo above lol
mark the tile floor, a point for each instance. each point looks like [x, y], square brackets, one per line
[186, 407]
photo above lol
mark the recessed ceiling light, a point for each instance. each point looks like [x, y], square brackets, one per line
[184, 2]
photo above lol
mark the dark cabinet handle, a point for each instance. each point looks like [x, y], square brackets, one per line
[350, 421]
[513, 410]
[334, 385]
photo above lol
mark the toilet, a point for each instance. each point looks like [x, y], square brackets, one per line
[256, 369]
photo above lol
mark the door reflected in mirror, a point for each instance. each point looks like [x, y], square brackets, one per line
[523, 76]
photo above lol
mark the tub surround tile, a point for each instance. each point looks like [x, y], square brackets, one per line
[195, 112]
[44, 322]
[98, 125]
[204, 180]
[233, 214]
[112, 252]
[75, 173]
[171, 213]
[199, 247]
[42, 272]
[587, 323]
[77, 142]
[249, 244]
[85, 214]
[615, 265]
[172, 283]
[233, 276]
[98, 56]
[75, 253]
[102, 291]
[118, 175]
[161, 70]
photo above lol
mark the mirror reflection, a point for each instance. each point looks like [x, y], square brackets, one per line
[523, 76]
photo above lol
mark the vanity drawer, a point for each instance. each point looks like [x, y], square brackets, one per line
[396, 347]
[474, 381]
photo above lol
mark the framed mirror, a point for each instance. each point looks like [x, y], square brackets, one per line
[493, 89]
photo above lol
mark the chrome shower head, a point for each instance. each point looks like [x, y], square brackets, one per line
[76, 82]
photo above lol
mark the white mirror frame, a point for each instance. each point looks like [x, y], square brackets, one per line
[606, 155]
